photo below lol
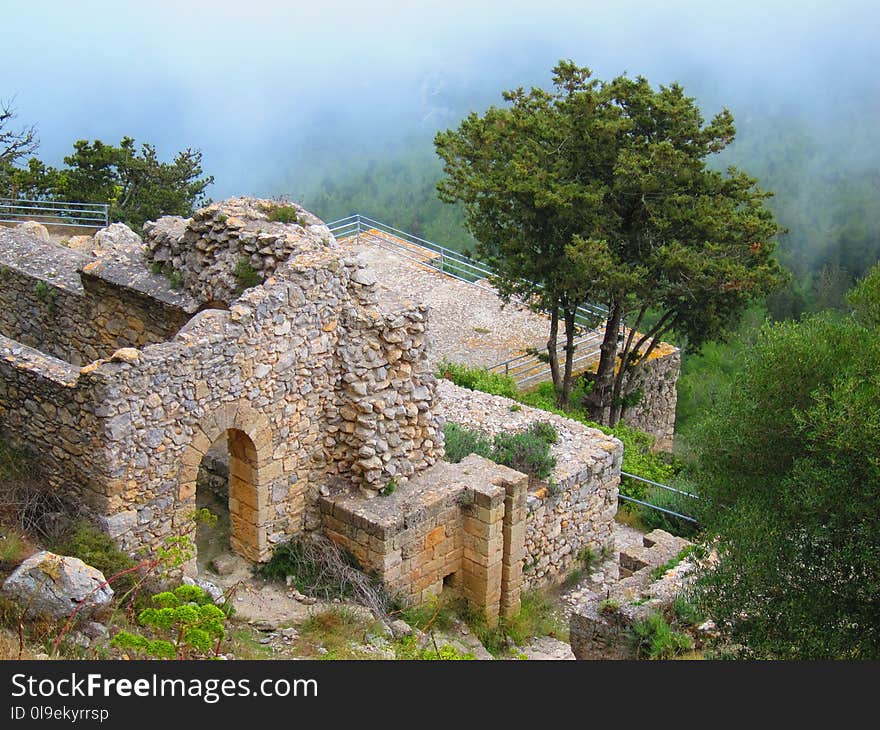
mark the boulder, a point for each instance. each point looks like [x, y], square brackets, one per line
[53, 586]
[38, 230]
[545, 648]
[118, 237]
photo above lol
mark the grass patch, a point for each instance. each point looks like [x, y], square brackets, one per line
[408, 649]
[244, 643]
[536, 617]
[14, 548]
[655, 639]
[339, 630]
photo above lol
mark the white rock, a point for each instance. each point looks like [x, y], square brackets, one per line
[38, 230]
[54, 586]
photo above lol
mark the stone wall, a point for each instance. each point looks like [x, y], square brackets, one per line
[213, 249]
[460, 525]
[655, 411]
[600, 627]
[301, 378]
[44, 409]
[576, 510]
[73, 307]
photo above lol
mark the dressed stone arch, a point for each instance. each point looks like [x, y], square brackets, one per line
[251, 472]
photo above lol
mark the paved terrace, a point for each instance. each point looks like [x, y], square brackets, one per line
[468, 323]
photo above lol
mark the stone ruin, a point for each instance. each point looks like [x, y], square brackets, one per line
[124, 364]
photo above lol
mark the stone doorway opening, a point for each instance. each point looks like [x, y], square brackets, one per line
[227, 487]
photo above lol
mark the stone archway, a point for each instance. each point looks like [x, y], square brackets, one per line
[249, 443]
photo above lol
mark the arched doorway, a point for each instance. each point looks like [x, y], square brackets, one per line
[227, 486]
[238, 439]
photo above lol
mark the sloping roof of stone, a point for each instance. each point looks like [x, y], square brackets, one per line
[44, 260]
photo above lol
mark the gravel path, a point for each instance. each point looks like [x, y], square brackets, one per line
[468, 324]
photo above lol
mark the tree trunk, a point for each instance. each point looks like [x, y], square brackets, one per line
[569, 357]
[599, 398]
[551, 348]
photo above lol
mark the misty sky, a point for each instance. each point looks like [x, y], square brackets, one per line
[267, 88]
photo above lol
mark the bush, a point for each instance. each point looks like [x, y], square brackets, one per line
[280, 213]
[528, 452]
[96, 548]
[524, 452]
[319, 567]
[654, 639]
[461, 442]
[476, 378]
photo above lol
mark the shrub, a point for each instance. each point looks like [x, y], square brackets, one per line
[654, 639]
[281, 213]
[528, 452]
[461, 442]
[96, 548]
[319, 567]
[686, 612]
[245, 275]
[477, 378]
[609, 605]
[524, 452]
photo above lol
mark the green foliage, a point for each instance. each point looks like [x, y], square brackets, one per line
[461, 442]
[477, 378]
[788, 463]
[389, 487]
[438, 612]
[609, 605]
[631, 216]
[528, 452]
[136, 184]
[658, 572]
[639, 457]
[245, 275]
[865, 298]
[686, 612]
[408, 649]
[175, 277]
[281, 213]
[537, 617]
[96, 548]
[654, 639]
[184, 623]
[588, 558]
[47, 294]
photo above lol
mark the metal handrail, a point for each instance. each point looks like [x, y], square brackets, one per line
[658, 484]
[688, 518]
[82, 215]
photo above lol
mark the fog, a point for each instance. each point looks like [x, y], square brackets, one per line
[281, 96]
